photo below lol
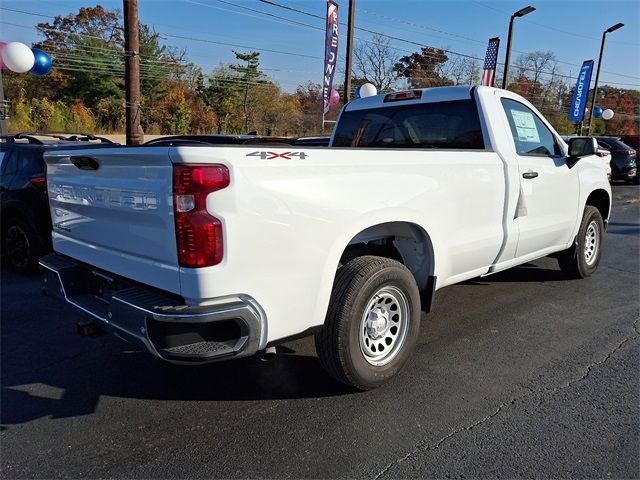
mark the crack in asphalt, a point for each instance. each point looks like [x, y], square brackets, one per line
[502, 406]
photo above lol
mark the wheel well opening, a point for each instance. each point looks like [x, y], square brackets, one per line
[600, 200]
[405, 242]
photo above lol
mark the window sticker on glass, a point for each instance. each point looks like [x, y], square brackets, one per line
[525, 126]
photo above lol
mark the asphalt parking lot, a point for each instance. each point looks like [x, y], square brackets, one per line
[521, 374]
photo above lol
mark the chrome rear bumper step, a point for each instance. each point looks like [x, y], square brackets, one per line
[153, 320]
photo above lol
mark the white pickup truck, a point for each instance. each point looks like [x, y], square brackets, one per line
[205, 253]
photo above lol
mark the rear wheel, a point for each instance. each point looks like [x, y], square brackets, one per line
[582, 259]
[372, 324]
[21, 244]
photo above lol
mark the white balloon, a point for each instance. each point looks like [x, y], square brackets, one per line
[607, 114]
[17, 57]
[368, 90]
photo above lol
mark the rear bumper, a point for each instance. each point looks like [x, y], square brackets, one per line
[155, 321]
[624, 172]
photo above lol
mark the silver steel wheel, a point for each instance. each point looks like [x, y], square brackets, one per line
[591, 243]
[384, 326]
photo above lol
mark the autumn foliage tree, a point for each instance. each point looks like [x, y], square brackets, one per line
[423, 69]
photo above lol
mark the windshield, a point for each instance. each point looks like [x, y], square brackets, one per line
[446, 125]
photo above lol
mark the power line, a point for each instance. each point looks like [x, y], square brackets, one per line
[275, 18]
[260, 49]
[549, 27]
[27, 13]
[309, 26]
[404, 40]
[478, 41]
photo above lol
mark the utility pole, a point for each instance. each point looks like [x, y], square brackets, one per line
[4, 109]
[135, 135]
[347, 74]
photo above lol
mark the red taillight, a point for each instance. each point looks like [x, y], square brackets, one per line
[407, 95]
[198, 234]
[40, 182]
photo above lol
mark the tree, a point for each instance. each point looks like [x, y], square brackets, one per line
[224, 95]
[374, 61]
[249, 75]
[89, 46]
[461, 70]
[421, 68]
[625, 119]
[173, 111]
[533, 65]
[310, 100]
[276, 112]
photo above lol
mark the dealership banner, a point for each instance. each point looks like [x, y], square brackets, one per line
[579, 100]
[330, 52]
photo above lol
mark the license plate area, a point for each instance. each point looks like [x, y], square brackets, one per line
[103, 286]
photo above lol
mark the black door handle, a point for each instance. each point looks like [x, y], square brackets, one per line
[85, 163]
[530, 174]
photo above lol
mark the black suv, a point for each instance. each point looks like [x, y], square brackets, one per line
[623, 159]
[25, 220]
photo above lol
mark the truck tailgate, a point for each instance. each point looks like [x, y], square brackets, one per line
[113, 210]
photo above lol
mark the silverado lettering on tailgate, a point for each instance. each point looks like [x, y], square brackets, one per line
[103, 196]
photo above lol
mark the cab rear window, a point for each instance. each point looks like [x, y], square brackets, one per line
[444, 125]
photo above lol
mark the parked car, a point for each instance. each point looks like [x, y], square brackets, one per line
[623, 159]
[26, 223]
[634, 142]
[228, 251]
[193, 140]
[317, 141]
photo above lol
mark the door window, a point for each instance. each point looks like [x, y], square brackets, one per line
[530, 135]
[9, 163]
[30, 162]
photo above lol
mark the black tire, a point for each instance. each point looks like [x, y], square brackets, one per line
[575, 262]
[354, 293]
[21, 245]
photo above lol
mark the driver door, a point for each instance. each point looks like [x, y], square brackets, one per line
[549, 189]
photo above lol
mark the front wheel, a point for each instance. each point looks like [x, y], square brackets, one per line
[582, 259]
[372, 324]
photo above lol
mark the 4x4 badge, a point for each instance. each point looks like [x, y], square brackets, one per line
[264, 155]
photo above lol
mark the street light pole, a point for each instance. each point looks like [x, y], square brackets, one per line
[595, 87]
[520, 13]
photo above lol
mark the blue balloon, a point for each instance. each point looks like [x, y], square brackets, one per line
[42, 65]
[357, 94]
[597, 112]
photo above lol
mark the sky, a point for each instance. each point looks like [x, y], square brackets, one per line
[291, 44]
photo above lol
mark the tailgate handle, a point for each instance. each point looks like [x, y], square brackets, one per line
[85, 163]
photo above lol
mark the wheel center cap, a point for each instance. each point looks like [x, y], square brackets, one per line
[377, 322]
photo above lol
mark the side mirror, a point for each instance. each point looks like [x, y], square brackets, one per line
[581, 147]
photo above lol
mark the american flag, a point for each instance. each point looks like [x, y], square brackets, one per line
[490, 61]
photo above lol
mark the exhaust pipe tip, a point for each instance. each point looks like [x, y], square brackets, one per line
[268, 354]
